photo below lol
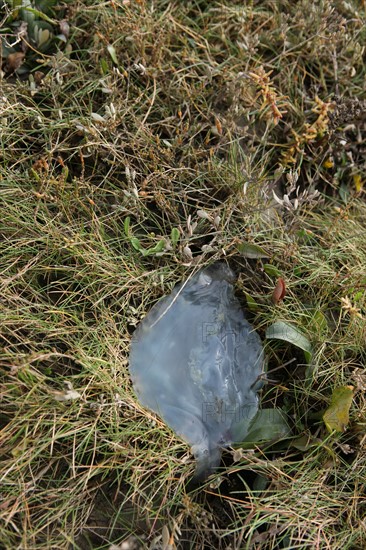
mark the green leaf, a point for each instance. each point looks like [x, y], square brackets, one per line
[26, 13]
[251, 303]
[42, 36]
[260, 483]
[41, 33]
[136, 244]
[104, 66]
[252, 251]
[271, 270]
[159, 247]
[174, 236]
[320, 322]
[359, 295]
[283, 331]
[336, 417]
[344, 193]
[126, 226]
[40, 15]
[305, 442]
[268, 425]
[14, 4]
[112, 53]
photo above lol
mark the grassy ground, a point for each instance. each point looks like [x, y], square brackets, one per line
[249, 119]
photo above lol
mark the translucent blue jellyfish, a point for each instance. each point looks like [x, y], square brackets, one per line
[196, 361]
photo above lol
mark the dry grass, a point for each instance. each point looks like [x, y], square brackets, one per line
[198, 106]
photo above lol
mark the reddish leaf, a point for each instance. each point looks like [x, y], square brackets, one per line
[279, 291]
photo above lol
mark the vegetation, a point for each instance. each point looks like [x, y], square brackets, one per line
[139, 142]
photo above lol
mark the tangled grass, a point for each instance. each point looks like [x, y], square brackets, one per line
[206, 125]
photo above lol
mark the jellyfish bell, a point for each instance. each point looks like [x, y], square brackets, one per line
[195, 361]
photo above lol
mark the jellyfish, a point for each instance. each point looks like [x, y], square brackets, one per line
[196, 361]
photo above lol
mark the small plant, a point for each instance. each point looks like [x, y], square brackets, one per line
[29, 30]
[268, 94]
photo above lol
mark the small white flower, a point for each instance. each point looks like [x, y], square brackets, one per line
[97, 117]
[188, 253]
[139, 67]
[203, 214]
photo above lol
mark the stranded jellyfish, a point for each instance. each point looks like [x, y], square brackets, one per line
[196, 361]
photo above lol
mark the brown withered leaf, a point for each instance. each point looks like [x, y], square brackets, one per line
[14, 61]
[38, 77]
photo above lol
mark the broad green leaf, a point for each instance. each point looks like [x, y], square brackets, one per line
[344, 193]
[305, 442]
[268, 425]
[112, 53]
[336, 417]
[42, 33]
[136, 244]
[283, 331]
[252, 251]
[260, 483]
[251, 303]
[27, 14]
[43, 36]
[159, 247]
[320, 322]
[174, 236]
